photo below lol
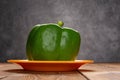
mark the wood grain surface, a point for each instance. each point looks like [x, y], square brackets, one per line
[96, 71]
[101, 71]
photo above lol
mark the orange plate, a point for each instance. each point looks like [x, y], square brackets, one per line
[51, 65]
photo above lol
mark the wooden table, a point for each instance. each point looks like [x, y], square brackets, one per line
[96, 71]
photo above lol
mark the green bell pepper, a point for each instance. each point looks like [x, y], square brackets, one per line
[52, 42]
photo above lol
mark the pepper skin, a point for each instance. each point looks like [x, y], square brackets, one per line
[52, 42]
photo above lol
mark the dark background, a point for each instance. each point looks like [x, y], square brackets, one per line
[98, 22]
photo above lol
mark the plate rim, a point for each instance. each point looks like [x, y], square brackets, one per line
[28, 61]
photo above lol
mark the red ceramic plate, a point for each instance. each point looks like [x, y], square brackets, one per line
[51, 65]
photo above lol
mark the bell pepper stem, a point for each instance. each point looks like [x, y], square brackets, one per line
[60, 23]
